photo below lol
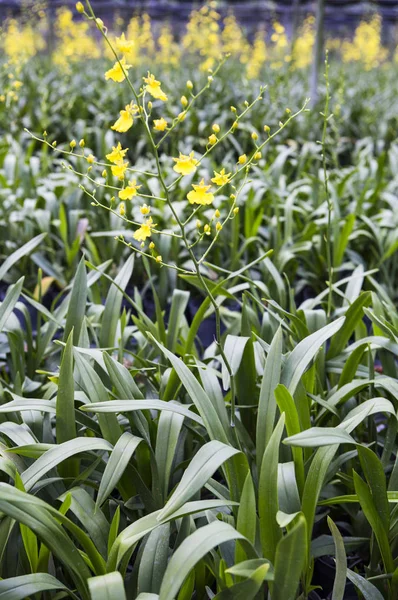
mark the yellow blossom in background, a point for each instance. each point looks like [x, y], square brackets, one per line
[74, 40]
[117, 154]
[153, 87]
[119, 169]
[200, 195]
[304, 43]
[366, 46]
[185, 165]
[126, 119]
[160, 124]
[129, 191]
[258, 55]
[145, 230]
[221, 178]
[117, 72]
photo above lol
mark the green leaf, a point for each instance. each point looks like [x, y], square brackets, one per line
[286, 405]
[59, 453]
[65, 407]
[96, 392]
[24, 509]
[268, 503]
[113, 305]
[198, 396]
[81, 504]
[107, 587]
[341, 563]
[114, 528]
[246, 590]
[190, 552]
[314, 482]
[267, 404]
[374, 473]
[9, 302]
[300, 358]
[367, 589]
[205, 462]
[247, 568]
[371, 513]
[122, 406]
[77, 304]
[319, 436]
[116, 465]
[179, 303]
[154, 560]
[353, 315]
[234, 349]
[247, 519]
[290, 559]
[168, 433]
[18, 588]
[20, 253]
[127, 539]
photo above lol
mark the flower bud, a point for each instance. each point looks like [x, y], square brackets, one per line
[82, 143]
[242, 159]
[122, 209]
[189, 84]
[104, 173]
[266, 129]
[257, 156]
[184, 101]
[150, 105]
[79, 7]
[159, 259]
[90, 159]
[218, 226]
[213, 139]
[72, 144]
[151, 246]
[236, 210]
[145, 210]
[216, 128]
[254, 136]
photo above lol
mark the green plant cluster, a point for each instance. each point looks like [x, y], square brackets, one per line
[121, 473]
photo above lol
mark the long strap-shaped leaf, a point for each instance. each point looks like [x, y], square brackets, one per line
[18, 505]
[207, 460]
[304, 352]
[18, 588]
[191, 551]
[10, 301]
[107, 587]
[198, 396]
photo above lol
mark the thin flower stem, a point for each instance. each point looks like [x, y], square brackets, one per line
[180, 224]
